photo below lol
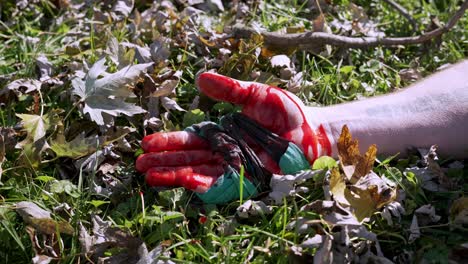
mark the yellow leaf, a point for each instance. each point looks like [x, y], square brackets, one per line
[338, 186]
[370, 194]
[361, 202]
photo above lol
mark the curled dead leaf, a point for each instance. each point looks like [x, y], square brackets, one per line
[41, 219]
[432, 177]
[365, 164]
[22, 86]
[348, 151]
[253, 208]
[104, 237]
[354, 164]
[359, 188]
[206, 42]
[286, 185]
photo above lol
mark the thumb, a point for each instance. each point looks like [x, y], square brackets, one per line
[223, 88]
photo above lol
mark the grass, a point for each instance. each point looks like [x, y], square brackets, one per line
[190, 231]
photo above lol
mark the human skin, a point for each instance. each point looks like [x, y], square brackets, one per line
[432, 111]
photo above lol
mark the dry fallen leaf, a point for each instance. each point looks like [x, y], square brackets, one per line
[354, 165]
[170, 104]
[41, 219]
[22, 86]
[359, 188]
[253, 208]
[286, 185]
[344, 240]
[318, 23]
[324, 253]
[206, 42]
[105, 237]
[432, 177]
[348, 150]
[122, 8]
[369, 195]
[410, 75]
[166, 88]
[44, 67]
[77, 147]
[297, 81]
[338, 187]
[107, 95]
[365, 164]
[36, 127]
[459, 211]
[393, 209]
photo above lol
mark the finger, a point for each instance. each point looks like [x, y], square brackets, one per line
[224, 88]
[273, 108]
[176, 158]
[180, 140]
[196, 178]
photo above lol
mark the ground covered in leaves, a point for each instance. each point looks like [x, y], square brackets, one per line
[81, 82]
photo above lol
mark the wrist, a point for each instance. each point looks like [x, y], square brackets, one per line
[367, 130]
[326, 133]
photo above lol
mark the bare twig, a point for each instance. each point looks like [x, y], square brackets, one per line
[403, 12]
[316, 40]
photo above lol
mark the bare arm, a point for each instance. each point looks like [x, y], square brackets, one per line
[432, 111]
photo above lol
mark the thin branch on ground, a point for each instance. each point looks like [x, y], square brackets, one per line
[316, 40]
[403, 12]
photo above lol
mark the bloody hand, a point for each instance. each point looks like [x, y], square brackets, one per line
[275, 109]
[184, 159]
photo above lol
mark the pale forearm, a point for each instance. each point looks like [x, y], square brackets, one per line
[432, 111]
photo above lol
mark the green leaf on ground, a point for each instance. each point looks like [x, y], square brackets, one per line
[324, 162]
[78, 147]
[193, 117]
[97, 203]
[65, 186]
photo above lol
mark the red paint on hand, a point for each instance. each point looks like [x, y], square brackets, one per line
[223, 88]
[176, 158]
[196, 178]
[274, 108]
[184, 159]
[180, 140]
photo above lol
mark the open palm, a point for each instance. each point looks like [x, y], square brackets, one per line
[184, 159]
